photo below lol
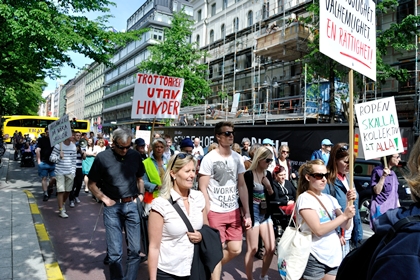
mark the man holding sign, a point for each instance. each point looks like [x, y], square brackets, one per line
[384, 184]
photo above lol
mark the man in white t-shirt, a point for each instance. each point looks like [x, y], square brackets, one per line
[198, 151]
[222, 183]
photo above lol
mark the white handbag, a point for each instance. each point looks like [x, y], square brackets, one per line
[293, 251]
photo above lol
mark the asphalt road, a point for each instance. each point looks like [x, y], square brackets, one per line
[79, 241]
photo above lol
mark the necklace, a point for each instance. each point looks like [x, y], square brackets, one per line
[258, 177]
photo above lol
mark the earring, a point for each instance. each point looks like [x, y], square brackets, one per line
[174, 178]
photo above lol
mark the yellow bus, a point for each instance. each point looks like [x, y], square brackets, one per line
[34, 126]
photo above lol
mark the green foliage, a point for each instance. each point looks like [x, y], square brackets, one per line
[176, 56]
[38, 36]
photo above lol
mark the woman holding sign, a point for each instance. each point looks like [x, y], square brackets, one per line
[384, 184]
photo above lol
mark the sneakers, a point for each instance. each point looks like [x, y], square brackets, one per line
[71, 203]
[77, 200]
[64, 208]
[46, 197]
[62, 213]
[264, 278]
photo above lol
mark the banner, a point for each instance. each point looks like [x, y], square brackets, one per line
[379, 128]
[347, 34]
[156, 96]
[59, 130]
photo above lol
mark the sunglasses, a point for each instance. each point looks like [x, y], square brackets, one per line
[319, 176]
[285, 152]
[227, 133]
[268, 160]
[122, 147]
[181, 156]
[344, 149]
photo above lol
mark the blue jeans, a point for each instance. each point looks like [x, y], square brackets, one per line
[117, 217]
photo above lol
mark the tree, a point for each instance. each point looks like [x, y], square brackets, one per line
[397, 38]
[37, 37]
[176, 56]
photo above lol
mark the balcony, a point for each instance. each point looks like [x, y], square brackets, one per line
[287, 44]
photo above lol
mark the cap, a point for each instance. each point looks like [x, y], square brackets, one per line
[140, 142]
[186, 142]
[268, 141]
[326, 142]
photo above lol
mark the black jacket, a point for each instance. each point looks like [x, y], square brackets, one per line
[249, 180]
[207, 254]
[281, 195]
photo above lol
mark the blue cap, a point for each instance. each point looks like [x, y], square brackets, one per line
[326, 142]
[186, 142]
[140, 142]
[268, 141]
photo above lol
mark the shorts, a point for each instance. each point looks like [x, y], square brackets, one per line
[259, 219]
[315, 270]
[45, 170]
[229, 224]
[65, 183]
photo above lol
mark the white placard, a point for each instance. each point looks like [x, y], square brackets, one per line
[145, 134]
[59, 130]
[379, 128]
[347, 34]
[156, 96]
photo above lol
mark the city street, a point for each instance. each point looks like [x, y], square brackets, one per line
[79, 241]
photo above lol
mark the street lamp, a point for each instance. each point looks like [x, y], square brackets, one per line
[205, 109]
[269, 86]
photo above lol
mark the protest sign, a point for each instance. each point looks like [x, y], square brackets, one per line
[379, 128]
[347, 34]
[59, 130]
[156, 96]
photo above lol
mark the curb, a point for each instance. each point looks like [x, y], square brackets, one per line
[52, 267]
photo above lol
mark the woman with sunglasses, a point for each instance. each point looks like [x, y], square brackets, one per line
[171, 247]
[284, 191]
[338, 186]
[284, 161]
[384, 184]
[321, 214]
[259, 184]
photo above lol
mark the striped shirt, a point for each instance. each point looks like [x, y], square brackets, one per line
[67, 164]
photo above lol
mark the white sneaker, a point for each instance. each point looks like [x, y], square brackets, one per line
[264, 278]
[64, 208]
[62, 214]
[77, 200]
[71, 204]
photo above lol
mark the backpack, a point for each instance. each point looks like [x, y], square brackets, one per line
[357, 263]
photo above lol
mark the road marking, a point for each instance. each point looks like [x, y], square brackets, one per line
[52, 267]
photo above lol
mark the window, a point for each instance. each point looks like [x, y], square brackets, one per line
[213, 9]
[250, 18]
[197, 39]
[265, 11]
[211, 36]
[404, 9]
[225, 4]
[280, 6]
[199, 15]
[222, 31]
[236, 25]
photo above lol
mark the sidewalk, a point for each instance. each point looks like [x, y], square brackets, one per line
[25, 249]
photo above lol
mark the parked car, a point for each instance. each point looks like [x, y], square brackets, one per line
[362, 174]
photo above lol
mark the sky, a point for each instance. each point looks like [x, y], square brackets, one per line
[121, 12]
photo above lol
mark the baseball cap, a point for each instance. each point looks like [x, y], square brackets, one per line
[140, 142]
[268, 141]
[186, 142]
[326, 142]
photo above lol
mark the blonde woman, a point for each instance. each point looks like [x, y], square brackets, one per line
[259, 184]
[321, 215]
[171, 246]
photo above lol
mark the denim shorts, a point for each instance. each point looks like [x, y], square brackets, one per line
[45, 170]
[315, 270]
[260, 219]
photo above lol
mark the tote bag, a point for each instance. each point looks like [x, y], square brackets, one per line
[293, 252]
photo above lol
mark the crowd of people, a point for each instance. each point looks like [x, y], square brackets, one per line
[229, 189]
